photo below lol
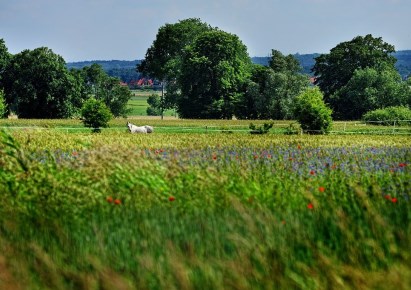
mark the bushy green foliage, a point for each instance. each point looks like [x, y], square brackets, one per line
[270, 94]
[370, 89]
[335, 69]
[389, 116]
[263, 129]
[154, 102]
[3, 105]
[108, 89]
[214, 69]
[37, 84]
[95, 114]
[287, 64]
[312, 113]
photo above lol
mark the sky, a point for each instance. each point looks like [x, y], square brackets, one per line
[81, 30]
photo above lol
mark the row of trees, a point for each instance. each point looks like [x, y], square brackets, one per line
[208, 74]
[37, 84]
[358, 76]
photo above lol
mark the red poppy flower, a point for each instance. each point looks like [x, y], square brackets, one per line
[214, 157]
[310, 206]
[402, 164]
[387, 196]
[394, 200]
[171, 198]
[321, 189]
[117, 201]
[312, 172]
[109, 199]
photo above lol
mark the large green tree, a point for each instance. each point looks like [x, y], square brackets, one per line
[4, 58]
[370, 89]
[37, 84]
[280, 63]
[271, 91]
[213, 71]
[163, 58]
[334, 70]
[105, 88]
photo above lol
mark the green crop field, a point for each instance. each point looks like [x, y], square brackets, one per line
[203, 205]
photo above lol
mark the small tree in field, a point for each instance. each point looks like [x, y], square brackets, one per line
[312, 113]
[95, 115]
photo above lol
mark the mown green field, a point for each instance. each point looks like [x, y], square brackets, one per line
[202, 208]
[137, 105]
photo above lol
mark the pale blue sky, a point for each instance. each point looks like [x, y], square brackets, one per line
[124, 29]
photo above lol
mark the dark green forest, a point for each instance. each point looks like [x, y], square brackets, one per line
[125, 70]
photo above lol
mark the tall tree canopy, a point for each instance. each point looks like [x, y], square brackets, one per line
[271, 91]
[334, 70]
[370, 89]
[214, 69]
[4, 57]
[163, 57]
[37, 84]
[280, 63]
[105, 88]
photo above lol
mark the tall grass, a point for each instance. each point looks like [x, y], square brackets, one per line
[204, 211]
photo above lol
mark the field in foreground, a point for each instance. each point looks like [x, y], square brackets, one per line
[204, 211]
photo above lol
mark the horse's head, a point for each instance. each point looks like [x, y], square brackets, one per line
[129, 125]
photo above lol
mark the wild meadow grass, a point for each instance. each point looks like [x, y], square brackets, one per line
[204, 211]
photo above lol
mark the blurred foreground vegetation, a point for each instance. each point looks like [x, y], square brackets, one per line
[203, 211]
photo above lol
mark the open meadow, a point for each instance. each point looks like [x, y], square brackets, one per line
[137, 105]
[203, 205]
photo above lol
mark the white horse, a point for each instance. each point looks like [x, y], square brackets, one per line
[136, 129]
[150, 129]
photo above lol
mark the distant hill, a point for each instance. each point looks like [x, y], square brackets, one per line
[307, 61]
[403, 64]
[126, 70]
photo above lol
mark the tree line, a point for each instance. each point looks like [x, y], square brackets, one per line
[126, 72]
[37, 84]
[207, 73]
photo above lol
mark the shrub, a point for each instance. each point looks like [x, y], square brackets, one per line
[154, 102]
[95, 114]
[263, 129]
[388, 116]
[312, 113]
[292, 129]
